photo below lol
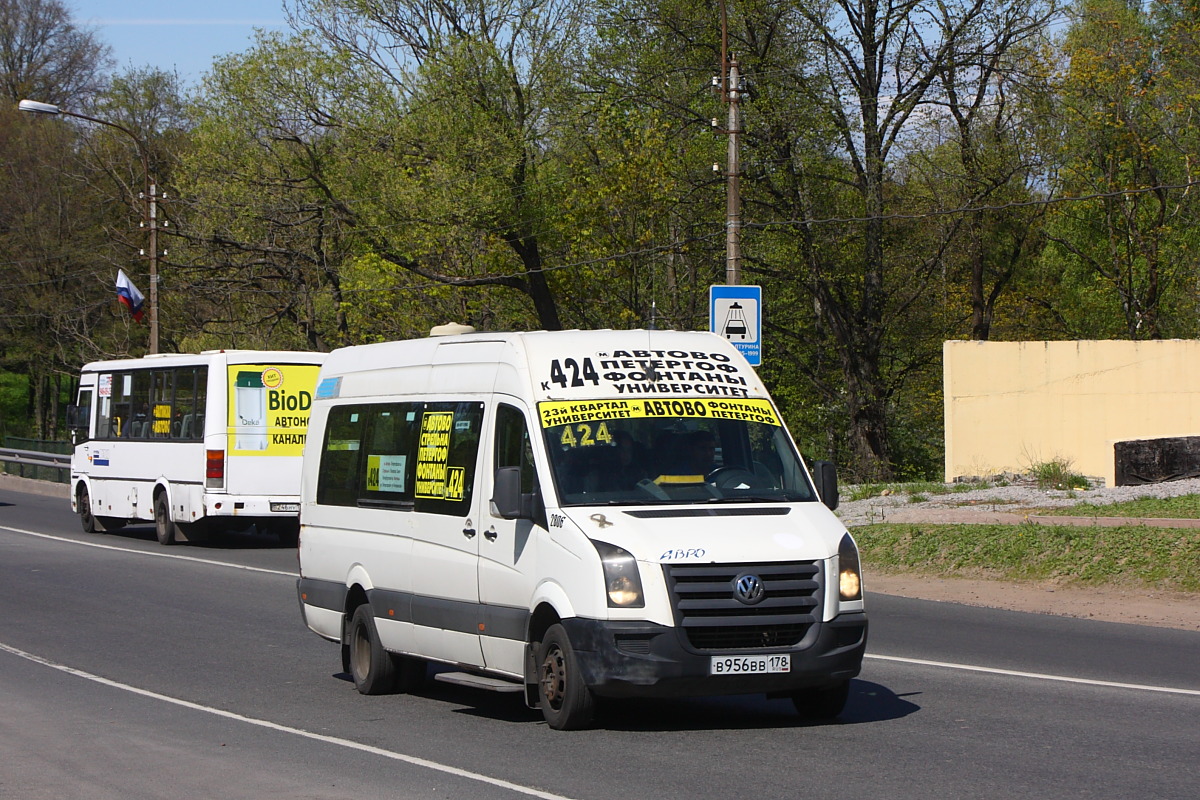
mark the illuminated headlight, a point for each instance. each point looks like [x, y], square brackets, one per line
[622, 581]
[849, 572]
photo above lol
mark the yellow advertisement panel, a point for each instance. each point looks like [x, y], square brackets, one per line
[435, 478]
[269, 407]
[557, 413]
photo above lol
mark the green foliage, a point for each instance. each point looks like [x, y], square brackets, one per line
[14, 399]
[386, 167]
[1158, 558]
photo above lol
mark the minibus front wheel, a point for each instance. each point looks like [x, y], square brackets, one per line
[567, 703]
[821, 705]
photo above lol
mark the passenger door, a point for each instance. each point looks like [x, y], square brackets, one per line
[507, 551]
[446, 534]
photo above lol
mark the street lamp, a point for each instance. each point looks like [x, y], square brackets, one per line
[149, 195]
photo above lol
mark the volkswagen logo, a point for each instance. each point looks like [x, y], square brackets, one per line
[748, 589]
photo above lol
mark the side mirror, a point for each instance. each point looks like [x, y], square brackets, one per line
[77, 423]
[825, 475]
[507, 500]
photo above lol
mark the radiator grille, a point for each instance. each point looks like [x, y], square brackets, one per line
[712, 617]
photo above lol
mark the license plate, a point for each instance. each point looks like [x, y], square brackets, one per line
[750, 665]
[288, 507]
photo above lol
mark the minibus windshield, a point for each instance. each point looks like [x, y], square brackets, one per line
[618, 452]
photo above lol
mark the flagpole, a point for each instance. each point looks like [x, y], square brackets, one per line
[149, 197]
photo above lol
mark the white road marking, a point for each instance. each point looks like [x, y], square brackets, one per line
[262, 723]
[1035, 675]
[152, 553]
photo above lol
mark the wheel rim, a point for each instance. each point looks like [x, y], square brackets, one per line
[85, 507]
[554, 677]
[360, 654]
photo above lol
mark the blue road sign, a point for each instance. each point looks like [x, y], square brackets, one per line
[735, 312]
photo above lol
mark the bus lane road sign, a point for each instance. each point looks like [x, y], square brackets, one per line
[735, 313]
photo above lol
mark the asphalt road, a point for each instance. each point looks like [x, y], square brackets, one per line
[129, 670]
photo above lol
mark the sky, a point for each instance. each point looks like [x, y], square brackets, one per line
[176, 35]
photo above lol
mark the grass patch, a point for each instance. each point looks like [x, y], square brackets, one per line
[1183, 507]
[1156, 558]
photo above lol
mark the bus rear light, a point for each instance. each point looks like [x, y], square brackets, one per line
[214, 471]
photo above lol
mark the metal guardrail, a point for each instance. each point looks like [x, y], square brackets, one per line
[36, 458]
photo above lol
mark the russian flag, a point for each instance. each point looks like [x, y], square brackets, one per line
[128, 294]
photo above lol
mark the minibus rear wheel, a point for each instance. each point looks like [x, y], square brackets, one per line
[371, 666]
[567, 703]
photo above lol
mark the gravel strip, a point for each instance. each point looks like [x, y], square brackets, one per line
[996, 501]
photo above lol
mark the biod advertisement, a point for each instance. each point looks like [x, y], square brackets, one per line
[269, 407]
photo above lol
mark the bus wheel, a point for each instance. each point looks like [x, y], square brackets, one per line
[83, 501]
[567, 703]
[164, 528]
[371, 666]
[821, 705]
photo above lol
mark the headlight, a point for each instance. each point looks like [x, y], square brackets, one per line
[622, 581]
[849, 572]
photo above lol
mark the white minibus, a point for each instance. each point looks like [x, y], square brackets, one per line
[191, 442]
[573, 515]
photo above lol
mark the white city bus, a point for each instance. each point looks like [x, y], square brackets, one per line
[192, 442]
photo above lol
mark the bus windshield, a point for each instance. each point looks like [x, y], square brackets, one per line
[671, 451]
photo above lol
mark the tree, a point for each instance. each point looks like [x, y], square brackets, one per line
[45, 56]
[1113, 247]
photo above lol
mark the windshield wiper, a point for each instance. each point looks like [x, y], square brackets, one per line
[751, 498]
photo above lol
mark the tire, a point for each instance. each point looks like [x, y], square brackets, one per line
[566, 702]
[822, 705]
[371, 667]
[83, 502]
[164, 527]
[410, 673]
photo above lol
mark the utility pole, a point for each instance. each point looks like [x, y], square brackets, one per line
[150, 196]
[730, 82]
[733, 198]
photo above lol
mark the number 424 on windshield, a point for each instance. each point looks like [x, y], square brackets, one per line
[585, 435]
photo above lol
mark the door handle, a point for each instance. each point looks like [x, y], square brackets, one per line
[491, 534]
[469, 533]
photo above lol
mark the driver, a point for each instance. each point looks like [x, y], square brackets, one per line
[699, 453]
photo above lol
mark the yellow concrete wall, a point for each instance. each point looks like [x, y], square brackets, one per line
[1012, 405]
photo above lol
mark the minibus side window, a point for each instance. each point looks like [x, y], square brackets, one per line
[389, 459]
[447, 452]
[513, 447]
[337, 484]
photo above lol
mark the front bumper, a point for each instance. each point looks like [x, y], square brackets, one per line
[639, 659]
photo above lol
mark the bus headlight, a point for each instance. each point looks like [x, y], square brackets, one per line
[622, 581]
[849, 571]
